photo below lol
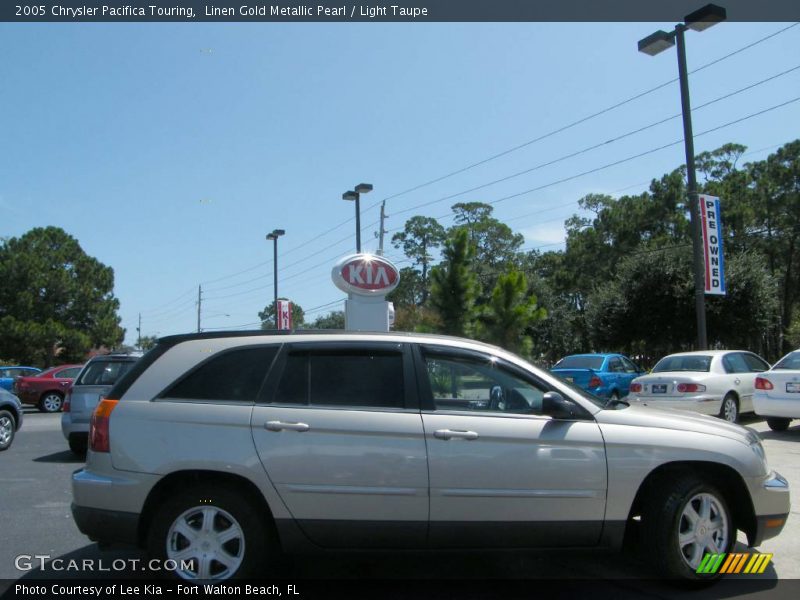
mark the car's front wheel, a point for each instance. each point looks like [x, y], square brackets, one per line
[685, 520]
[209, 534]
[730, 409]
[7, 428]
[778, 424]
[51, 402]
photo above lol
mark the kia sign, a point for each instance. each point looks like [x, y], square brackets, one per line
[712, 245]
[284, 313]
[365, 275]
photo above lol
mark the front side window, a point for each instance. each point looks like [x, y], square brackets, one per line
[754, 363]
[235, 375]
[473, 384]
[630, 367]
[343, 378]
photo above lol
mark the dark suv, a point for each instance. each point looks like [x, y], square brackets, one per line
[91, 384]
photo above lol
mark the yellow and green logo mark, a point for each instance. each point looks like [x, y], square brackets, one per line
[734, 563]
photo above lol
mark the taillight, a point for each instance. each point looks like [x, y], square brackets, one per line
[636, 387]
[685, 388]
[99, 439]
[595, 381]
[764, 384]
[67, 400]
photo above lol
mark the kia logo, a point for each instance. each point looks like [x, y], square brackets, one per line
[365, 274]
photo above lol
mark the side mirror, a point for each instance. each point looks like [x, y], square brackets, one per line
[556, 406]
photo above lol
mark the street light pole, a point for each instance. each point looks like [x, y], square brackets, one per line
[654, 44]
[276, 233]
[361, 188]
[691, 180]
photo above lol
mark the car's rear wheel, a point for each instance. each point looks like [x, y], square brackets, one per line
[51, 402]
[7, 428]
[210, 534]
[78, 443]
[778, 424]
[686, 519]
[730, 409]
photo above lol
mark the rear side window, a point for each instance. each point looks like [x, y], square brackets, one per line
[735, 363]
[236, 375]
[369, 379]
[70, 373]
[692, 363]
[104, 372]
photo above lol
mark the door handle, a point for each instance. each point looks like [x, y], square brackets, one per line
[280, 426]
[449, 434]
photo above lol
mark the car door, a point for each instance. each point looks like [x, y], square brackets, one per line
[740, 379]
[616, 375]
[502, 473]
[340, 436]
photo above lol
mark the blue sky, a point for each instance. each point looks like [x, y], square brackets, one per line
[170, 150]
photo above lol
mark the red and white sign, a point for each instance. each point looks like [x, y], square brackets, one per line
[284, 312]
[713, 257]
[366, 275]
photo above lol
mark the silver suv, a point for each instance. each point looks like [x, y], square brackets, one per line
[220, 450]
[93, 382]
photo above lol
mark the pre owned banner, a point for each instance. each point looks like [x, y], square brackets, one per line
[711, 220]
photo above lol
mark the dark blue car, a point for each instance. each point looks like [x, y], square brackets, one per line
[605, 375]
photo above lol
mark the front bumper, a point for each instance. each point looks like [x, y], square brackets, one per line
[772, 504]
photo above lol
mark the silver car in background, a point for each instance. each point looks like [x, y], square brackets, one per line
[91, 384]
[219, 450]
[712, 382]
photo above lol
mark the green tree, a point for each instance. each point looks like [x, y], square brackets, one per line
[454, 286]
[511, 310]
[146, 342]
[420, 236]
[409, 290]
[333, 320]
[55, 299]
[267, 315]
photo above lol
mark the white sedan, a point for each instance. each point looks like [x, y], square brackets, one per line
[712, 382]
[777, 393]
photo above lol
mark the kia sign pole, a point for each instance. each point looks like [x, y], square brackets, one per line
[367, 279]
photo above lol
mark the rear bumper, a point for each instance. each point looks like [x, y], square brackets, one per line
[107, 525]
[707, 405]
[776, 407]
[70, 426]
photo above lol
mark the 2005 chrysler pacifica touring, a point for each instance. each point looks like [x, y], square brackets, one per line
[220, 450]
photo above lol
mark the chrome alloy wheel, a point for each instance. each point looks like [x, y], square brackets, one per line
[729, 412]
[703, 528]
[6, 429]
[206, 542]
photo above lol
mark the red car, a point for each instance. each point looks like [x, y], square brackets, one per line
[48, 388]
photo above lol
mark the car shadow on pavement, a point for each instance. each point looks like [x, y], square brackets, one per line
[67, 456]
[790, 435]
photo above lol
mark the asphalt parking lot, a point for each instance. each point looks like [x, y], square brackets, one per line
[35, 501]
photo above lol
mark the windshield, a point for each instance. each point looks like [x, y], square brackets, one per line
[103, 372]
[692, 362]
[790, 361]
[580, 362]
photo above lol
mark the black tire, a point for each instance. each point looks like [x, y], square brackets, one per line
[232, 509]
[51, 402]
[78, 443]
[778, 424]
[663, 521]
[8, 426]
[614, 396]
[729, 411]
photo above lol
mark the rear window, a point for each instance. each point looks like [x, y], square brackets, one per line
[790, 361]
[104, 372]
[580, 362]
[692, 363]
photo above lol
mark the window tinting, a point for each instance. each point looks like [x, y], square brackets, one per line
[352, 378]
[754, 363]
[293, 387]
[734, 363]
[580, 362]
[696, 363]
[236, 375]
[630, 367]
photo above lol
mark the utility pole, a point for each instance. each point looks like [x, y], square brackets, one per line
[383, 230]
[199, 305]
[139, 333]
